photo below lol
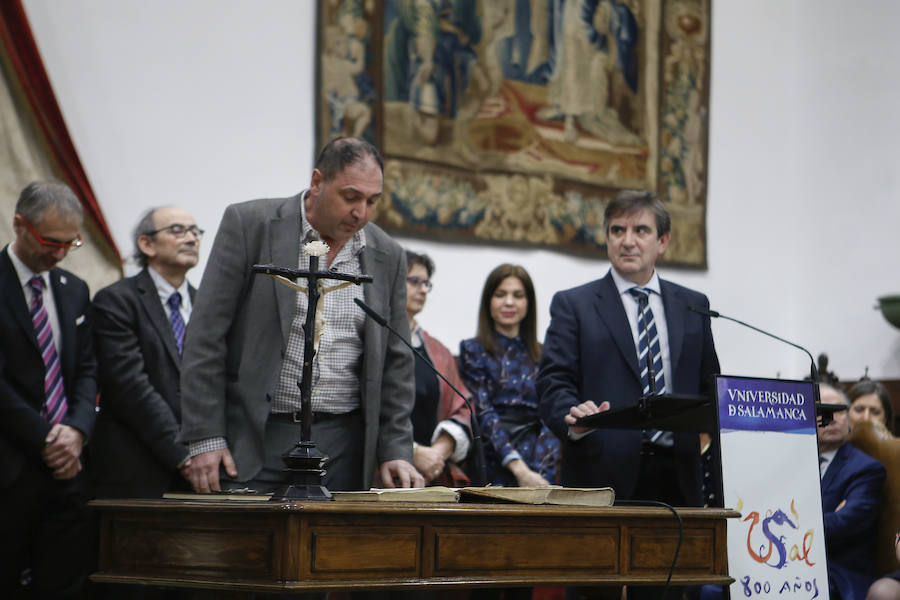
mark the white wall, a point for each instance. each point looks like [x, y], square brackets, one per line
[202, 103]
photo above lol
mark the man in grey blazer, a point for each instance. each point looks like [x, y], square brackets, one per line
[243, 348]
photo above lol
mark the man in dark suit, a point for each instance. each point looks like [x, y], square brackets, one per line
[48, 391]
[591, 357]
[139, 326]
[851, 490]
[243, 352]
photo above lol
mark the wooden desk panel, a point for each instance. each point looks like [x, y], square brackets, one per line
[270, 547]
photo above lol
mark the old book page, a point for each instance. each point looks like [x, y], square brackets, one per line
[553, 494]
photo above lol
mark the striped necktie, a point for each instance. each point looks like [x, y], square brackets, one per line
[55, 404]
[176, 320]
[648, 342]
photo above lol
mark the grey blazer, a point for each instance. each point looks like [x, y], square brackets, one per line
[239, 330]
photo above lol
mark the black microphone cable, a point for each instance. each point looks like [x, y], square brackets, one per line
[680, 533]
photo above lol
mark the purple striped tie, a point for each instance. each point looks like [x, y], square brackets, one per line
[176, 320]
[55, 404]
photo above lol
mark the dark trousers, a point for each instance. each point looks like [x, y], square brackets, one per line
[339, 437]
[46, 533]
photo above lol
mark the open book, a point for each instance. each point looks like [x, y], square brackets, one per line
[519, 495]
[426, 494]
[553, 494]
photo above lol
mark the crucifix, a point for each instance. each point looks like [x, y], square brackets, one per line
[303, 462]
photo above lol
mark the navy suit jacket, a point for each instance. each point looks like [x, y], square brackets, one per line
[135, 451]
[22, 428]
[856, 477]
[589, 354]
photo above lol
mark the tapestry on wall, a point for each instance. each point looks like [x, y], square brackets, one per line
[515, 121]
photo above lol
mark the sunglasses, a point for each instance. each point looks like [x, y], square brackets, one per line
[76, 243]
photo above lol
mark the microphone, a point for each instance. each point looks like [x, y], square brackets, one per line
[376, 317]
[824, 409]
[480, 469]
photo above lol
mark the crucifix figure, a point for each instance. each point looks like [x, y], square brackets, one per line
[303, 462]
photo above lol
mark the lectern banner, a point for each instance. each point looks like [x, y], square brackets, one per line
[770, 473]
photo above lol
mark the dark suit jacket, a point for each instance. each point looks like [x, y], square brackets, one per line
[135, 451]
[240, 327]
[22, 428]
[856, 477]
[589, 354]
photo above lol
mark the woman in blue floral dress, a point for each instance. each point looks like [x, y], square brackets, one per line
[499, 366]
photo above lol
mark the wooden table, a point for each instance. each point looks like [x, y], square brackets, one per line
[274, 547]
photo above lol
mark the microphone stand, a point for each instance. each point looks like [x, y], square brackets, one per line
[825, 410]
[477, 448]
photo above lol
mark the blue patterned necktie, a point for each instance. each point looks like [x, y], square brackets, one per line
[176, 320]
[55, 404]
[648, 341]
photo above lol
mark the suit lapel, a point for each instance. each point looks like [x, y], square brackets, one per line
[834, 469]
[149, 298]
[15, 297]
[376, 295]
[285, 252]
[612, 312]
[373, 262]
[67, 326]
[675, 310]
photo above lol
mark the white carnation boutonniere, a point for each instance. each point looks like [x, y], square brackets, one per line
[316, 248]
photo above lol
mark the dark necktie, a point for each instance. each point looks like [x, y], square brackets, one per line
[55, 404]
[648, 341]
[649, 353]
[176, 320]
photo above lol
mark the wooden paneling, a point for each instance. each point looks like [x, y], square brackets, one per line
[336, 545]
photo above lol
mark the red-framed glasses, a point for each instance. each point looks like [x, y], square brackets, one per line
[76, 243]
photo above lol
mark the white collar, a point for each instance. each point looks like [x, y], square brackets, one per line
[166, 289]
[24, 273]
[623, 285]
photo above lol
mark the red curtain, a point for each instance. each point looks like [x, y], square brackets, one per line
[26, 61]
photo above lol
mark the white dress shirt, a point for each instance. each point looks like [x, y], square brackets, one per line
[25, 274]
[166, 289]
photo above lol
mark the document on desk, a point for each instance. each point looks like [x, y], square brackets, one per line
[244, 495]
[553, 494]
[435, 493]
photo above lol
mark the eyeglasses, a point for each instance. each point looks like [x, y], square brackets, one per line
[417, 281]
[179, 230]
[72, 244]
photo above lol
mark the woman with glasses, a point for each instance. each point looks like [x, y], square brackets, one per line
[440, 418]
[500, 366]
